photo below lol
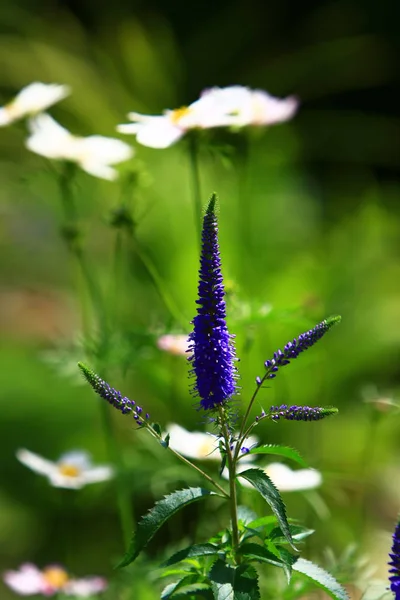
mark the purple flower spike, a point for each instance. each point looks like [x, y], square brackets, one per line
[300, 413]
[210, 344]
[298, 345]
[394, 563]
[115, 398]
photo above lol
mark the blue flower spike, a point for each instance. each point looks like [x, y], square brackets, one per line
[212, 353]
[113, 396]
[394, 563]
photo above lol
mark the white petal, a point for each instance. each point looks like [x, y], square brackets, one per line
[48, 138]
[76, 458]
[109, 151]
[32, 99]
[97, 474]
[287, 480]
[267, 110]
[83, 588]
[59, 480]
[35, 462]
[193, 444]
[27, 581]
[155, 132]
[99, 170]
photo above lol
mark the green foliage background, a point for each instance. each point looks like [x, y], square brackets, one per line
[317, 235]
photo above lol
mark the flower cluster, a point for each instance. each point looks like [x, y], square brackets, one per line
[298, 413]
[29, 581]
[234, 106]
[113, 396]
[395, 563]
[212, 351]
[295, 347]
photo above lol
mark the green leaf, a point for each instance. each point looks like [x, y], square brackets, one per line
[190, 582]
[259, 553]
[190, 552]
[262, 483]
[278, 450]
[298, 534]
[261, 522]
[321, 577]
[156, 428]
[158, 515]
[234, 583]
[165, 442]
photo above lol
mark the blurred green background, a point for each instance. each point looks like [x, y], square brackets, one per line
[311, 228]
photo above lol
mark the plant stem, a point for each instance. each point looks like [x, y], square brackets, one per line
[187, 462]
[232, 481]
[71, 235]
[196, 188]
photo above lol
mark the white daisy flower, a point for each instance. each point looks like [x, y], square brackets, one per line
[32, 99]
[94, 154]
[73, 470]
[234, 106]
[284, 478]
[199, 445]
[174, 344]
[29, 581]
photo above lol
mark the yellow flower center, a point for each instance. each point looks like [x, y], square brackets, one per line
[206, 448]
[69, 470]
[56, 577]
[178, 113]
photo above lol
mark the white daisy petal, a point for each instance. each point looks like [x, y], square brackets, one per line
[98, 474]
[26, 582]
[287, 480]
[83, 588]
[35, 462]
[174, 344]
[105, 150]
[193, 444]
[32, 99]
[99, 170]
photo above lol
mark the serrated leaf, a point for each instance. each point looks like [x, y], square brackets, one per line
[262, 483]
[279, 450]
[258, 552]
[158, 515]
[234, 583]
[298, 534]
[190, 552]
[321, 577]
[174, 589]
[200, 589]
[261, 522]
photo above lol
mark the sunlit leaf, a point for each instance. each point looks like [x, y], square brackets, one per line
[278, 450]
[321, 577]
[190, 552]
[234, 583]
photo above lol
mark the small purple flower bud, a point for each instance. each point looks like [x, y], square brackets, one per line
[114, 397]
[300, 413]
[244, 450]
[212, 353]
[394, 563]
[258, 380]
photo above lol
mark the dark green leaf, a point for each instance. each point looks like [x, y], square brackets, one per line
[321, 577]
[245, 514]
[234, 583]
[298, 534]
[186, 587]
[158, 515]
[190, 552]
[268, 491]
[259, 553]
[279, 450]
[165, 442]
[156, 428]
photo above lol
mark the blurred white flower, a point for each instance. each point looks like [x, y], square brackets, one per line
[34, 98]
[174, 344]
[284, 478]
[29, 580]
[199, 445]
[234, 106]
[94, 154]
[73, 470]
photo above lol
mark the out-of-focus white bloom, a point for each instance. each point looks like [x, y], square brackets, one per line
[32, 99]
[234, 106]
[199, 445]
[29, 580]
[94, 154]
[174, 344]
[73, 470]
[284, 478]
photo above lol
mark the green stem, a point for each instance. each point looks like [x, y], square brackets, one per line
[71, 235]
[186, 461]
[157, 281]
[232, 482]
[196, 187]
